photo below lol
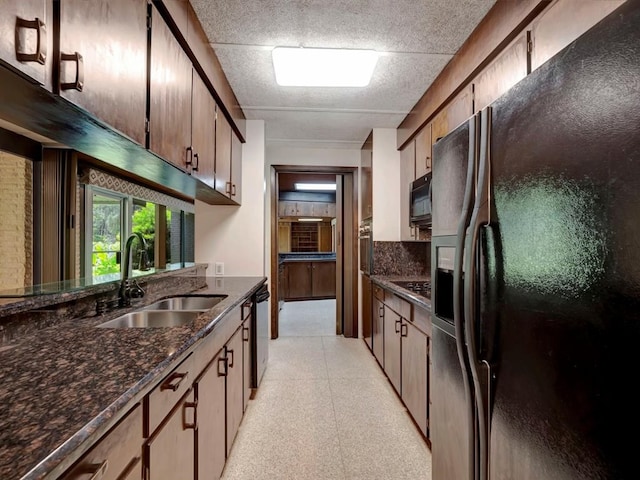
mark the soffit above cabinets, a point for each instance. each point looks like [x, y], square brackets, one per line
[417, 39]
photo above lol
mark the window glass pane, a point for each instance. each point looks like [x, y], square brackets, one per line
[144, 221]
[174, 236]
[189, 237]
[106, 234]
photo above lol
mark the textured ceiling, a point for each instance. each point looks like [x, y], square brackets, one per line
[416, 38]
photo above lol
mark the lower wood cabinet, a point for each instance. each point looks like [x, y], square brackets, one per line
[415, 361]
[366, 311]
[117, 456]
[377, 329]
[210, 394]
[392, 354]
[234, 386]
[171, 450]
[246, 362]
[310, 280]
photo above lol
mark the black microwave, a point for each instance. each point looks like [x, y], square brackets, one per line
[420, 207]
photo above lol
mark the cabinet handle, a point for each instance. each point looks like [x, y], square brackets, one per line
[173, 382]
[132, 464]
[245, 330]
[197, 163]
[227, 188]
[97, 470]
[40, 55]
[233, 190]
[188, 160]
[230, 352]
[381, 312]
[223, 362]
[397, 325]
[79, 82]
[404, 330]
[186, 425]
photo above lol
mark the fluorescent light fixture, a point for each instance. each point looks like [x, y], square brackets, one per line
[323, 67]
[309, 219]
[322, 187]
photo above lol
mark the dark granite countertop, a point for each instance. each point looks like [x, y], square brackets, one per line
[307, 257]
[386, 281]
[62, 387]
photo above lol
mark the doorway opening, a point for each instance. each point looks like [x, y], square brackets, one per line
[313, 249]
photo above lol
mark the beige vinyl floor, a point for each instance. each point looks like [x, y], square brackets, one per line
[325, 410]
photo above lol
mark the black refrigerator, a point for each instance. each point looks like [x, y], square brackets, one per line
[536, 272]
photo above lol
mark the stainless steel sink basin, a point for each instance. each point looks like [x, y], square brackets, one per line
[187, 303]
[152, 319]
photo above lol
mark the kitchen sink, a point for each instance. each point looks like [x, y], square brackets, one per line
[152, 319]
[187, 303]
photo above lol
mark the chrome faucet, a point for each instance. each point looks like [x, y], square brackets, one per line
[129, 288]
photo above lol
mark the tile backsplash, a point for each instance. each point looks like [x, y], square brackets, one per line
[401, 258]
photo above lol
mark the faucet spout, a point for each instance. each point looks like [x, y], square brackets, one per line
[128, 289]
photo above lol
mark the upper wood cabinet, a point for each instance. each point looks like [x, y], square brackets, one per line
[103, 61]
[170, 85]
[366, 182]
[26, 32]
[456, 112]
[236, 168]
[504, 72]
[223, 182]
[423, 151]
[289, 208]
[203, 132]
[563, 22]
[407, 175]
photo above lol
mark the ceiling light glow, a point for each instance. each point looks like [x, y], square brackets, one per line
[309, 219]
[322, 187]
[323, 67]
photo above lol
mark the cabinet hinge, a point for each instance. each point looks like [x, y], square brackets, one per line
[147, 128]
[529, 46]
[149, 19]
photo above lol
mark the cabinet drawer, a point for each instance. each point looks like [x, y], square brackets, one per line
[117, 455]
[422, 319]
[397, 304]
[378, 292]
[167, 394]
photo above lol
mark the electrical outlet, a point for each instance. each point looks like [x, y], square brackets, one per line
[219, 268]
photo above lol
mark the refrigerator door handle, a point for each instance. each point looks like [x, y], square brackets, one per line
[458, 306]
[479, 218]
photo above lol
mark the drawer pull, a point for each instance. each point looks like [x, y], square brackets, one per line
[40, 55]
[245, 330]
[398, 325]
[222, 361]
[173, 382]
[97, 470]
[404, 330]
[381, 312]
[186, 425]
[230, 352]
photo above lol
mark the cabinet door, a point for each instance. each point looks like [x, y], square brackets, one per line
[377, 333]
[103, 64]
[366, 183]
[323, 279]
[30, 23]
[366, 311]
[501, 74]
[456, 112]
[223, 154]
[286, 208]
[235, 387]
[392, 359]
[247, 361]
[423, 151]
[414, 373]
[304, 209]
[210, 392]
[407, 175]
[169, 96]
[299, 279]
[171, 451]
[203, 132]
[236, 168]
[284, 237]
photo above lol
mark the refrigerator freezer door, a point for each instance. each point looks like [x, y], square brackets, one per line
[565, 167]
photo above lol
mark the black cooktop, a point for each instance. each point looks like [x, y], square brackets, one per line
[419, 288]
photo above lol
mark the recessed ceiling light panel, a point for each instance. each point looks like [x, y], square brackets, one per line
[322, 187]
[323, 67]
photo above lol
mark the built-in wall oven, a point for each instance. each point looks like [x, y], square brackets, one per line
[365, 240]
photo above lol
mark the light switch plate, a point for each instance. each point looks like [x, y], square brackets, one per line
[219, 268]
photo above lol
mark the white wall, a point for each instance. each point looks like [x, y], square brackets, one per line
[386, 185]
[236, 235]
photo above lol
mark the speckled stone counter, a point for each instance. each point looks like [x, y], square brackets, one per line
[386, 282]
[62, 387]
